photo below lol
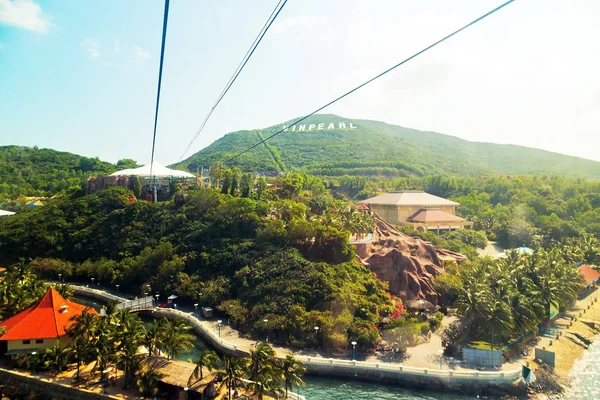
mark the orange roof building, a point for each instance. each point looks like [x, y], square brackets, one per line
[41, 325]
[590, 275]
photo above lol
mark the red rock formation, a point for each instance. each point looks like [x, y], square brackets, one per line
[407, 263]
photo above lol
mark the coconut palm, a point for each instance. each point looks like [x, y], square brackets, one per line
[262, 371]
[128, 359]
[80, 352]
[57, 356]
[176, 338]
[154, 337]
[260, 357]
[147, 381]
[233, 369]
[207, 359]
[66, 291]
[292, 370]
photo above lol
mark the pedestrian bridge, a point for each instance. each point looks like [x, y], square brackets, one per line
[144, 303]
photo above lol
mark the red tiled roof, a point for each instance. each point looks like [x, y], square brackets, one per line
[590, 275]
[433, 215]
[43, 320]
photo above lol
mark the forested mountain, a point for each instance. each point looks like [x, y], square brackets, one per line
[30, 171]
[329, 145]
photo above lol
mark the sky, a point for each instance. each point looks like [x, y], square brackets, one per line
[81, 76]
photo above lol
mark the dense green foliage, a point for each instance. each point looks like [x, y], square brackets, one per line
[379, 149]
[505, 298]
[274, 258]
[29, 171]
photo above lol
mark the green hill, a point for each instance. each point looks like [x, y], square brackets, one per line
[363, 147]
[29, 171]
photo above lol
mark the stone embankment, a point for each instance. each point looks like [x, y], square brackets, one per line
[29, 385]
[469, 381]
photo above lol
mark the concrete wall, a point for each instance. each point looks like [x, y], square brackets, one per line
[18, 344]
[28, 385]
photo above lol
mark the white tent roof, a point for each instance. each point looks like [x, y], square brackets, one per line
[158, 170]
[3, 213]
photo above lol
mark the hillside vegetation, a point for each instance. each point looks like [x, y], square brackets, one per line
[379, 149]
[30, 171]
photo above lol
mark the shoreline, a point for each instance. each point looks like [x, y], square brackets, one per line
[575, 337]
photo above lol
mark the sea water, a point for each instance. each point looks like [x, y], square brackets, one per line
[585, 375]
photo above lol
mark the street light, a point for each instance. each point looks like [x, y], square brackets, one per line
[186, 392]
[353, 351]
[266, 334]
[60, 277]
[117, 288]
[196, 308]
[317, 334]
[33, 362]
[93, 280]
[105, 380]
[219, 322]
[157, 296]
[441, 357]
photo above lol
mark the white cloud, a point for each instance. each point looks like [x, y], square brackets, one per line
[24, 14]
[92, 47]
[141, 55]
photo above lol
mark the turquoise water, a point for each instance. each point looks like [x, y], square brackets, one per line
[585, 382]
[341, 389]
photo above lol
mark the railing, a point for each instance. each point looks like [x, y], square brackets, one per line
[330, 363]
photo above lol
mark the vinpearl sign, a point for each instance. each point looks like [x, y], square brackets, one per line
[321, 126]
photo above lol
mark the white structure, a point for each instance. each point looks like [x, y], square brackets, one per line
[3, 213]
[158, 171]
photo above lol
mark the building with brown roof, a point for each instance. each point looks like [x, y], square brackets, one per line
[418, 209]
[41, 325]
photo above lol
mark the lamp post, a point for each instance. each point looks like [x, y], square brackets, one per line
[93, 279]
[441, 357]
[219, 322]
[317, 334]
[353, 351]
[105, 380]
[266, 334]
[157, 296]
[186, 392]
[196, 308]
[33, 362]
[60, 278]
[117, 288]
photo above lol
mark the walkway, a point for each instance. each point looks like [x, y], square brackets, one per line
[230, 342]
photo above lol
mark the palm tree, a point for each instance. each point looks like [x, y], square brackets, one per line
[233, 369]
[66, 291]
[57, 356]
[129, 359]
[262, 371]
[83, 324]
[208, 359]
[147, 381]
[291, 370]
[176, 338]
[80, 352]
[154, 337]
[260, 357]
